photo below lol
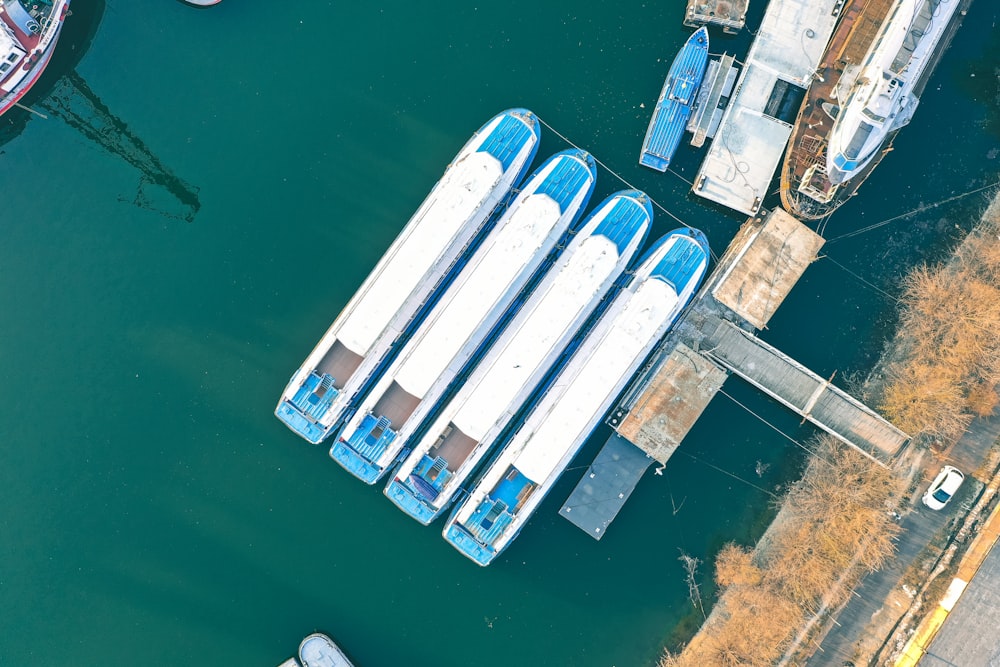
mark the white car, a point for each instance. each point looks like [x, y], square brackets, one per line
[943, 487]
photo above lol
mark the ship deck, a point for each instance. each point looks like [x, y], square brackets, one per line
[673, 108]
[805, 188]
[756, 125]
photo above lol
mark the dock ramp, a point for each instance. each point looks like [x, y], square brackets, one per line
[808, 394]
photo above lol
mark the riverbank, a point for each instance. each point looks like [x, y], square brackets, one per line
[779, 599]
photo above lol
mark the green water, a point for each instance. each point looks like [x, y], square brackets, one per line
[210, 188]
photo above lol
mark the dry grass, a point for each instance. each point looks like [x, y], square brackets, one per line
[950, 338]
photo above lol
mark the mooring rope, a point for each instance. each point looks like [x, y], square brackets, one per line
[627, 184]
[919, 209]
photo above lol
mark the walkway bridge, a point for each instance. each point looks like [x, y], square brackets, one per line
[798, 388]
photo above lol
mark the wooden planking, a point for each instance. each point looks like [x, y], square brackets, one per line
[767, 267]
[674, 399]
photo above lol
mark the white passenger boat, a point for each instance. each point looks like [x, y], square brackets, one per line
[578, 397]
[405, 282]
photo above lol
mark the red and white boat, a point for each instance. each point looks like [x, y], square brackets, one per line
[29, 30]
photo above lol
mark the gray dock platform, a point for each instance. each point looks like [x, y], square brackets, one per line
[804, 392]
[758, 120]
[607, 484]
[707, 115]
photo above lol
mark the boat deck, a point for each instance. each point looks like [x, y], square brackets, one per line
[673, 108]
[805, 188]
[757, 122]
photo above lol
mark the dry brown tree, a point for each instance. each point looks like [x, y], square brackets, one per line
[836, 521]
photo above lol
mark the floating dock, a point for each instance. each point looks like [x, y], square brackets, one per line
[758, 120]
[730, 15]
[713, 339]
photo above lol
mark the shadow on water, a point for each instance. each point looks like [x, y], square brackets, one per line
[63, 93]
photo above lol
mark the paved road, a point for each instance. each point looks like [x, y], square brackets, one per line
[919, 527]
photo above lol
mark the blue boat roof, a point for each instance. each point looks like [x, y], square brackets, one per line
[673, 108]
[682, 260]
[516, 128]
[631, 215]
[575, 170]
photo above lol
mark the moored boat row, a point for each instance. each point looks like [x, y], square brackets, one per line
[443, 383]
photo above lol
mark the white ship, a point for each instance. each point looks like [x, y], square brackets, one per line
[408, 277]
[876, 98]
[475, 417]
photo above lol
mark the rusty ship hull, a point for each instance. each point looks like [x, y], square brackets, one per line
[806, 188]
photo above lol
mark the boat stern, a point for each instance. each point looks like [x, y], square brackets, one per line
[299, 423]
[354, 463]
[468, 545]
[407, 500]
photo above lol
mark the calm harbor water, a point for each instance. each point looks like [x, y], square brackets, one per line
[209, 189]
